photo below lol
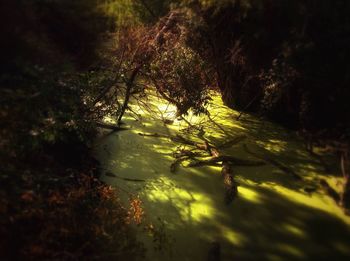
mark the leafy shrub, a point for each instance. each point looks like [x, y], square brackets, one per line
[181, 75]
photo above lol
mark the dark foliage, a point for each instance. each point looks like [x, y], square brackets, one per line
[292, 55]
[52, 205]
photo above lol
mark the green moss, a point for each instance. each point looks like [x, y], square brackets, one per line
[272, 219]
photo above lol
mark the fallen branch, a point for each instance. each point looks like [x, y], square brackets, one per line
[177, 162]
[228, 159]
[180, 139]
[273, 162]
[156, 135]
[230, 184]
[186, 153]
[129, 85]
[108, 88]
[183, 155]
[330, 191]
[319, 158]
[232, 142]
[212, 151]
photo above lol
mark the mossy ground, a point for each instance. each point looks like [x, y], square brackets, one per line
[273, 218]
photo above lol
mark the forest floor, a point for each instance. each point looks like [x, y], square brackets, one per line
[281, 211]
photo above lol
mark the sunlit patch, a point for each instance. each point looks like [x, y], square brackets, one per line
[198, 211]
[248, 194]
[157, 195]
[233, 125]
[294, 230]
[162, 149]
[109, 119]
[191, 206]
[233, 237]
[225, 122]
[292, 250]
[308, 167]
[317, 201]
[215, 169]
[167, 110]
[203, 172]
[122, 165]
[273, 145]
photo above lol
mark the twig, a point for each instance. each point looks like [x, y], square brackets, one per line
[153, 135]
[232, 142]
[273, 162]
[229, 159]
[177, 162]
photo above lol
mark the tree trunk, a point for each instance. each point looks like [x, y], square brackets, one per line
[129, 86]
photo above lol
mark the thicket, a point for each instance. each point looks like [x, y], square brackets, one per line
[286, 59]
